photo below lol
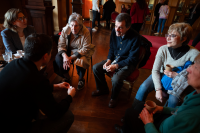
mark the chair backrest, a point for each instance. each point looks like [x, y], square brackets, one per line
[90, 30]
[141, 55]
[113, 16]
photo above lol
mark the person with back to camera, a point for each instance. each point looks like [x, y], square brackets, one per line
[176, 53]
[156, 15]
[109, 7]
[163, 16]
[182, 119]
[139, 9]
[74, 46]
[16, 30]
[24, 91]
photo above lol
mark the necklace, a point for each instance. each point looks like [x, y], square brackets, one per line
[174, 56]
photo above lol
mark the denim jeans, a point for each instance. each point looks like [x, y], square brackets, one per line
[161, 20]
[147, 86]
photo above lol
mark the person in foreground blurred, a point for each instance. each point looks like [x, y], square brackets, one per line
[176, 52]
[74, 46]
[182, 119]
[16, 30]
[24, 91]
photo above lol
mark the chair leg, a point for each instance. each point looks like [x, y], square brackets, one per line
[130, 89]
[91, 65]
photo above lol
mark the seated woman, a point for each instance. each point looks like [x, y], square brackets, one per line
[75, 46]
[175, 53]
[16, 30]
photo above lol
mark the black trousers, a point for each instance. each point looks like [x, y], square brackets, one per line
[117, 79]
[155, 24]
[196, 40]
[136, 26]
[96, 16]
[58, 68]
[132, 124]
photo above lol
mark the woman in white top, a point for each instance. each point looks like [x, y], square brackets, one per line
[175, 53]
[16, 30]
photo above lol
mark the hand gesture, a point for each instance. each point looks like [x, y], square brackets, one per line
[107, 64]
[170, 74]
[111, 68]
[66, 62]
[145, 116]
[159, 95]
[60, 86]
[158, 109]
[71, 92]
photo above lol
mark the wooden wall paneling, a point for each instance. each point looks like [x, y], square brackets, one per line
[77, 6]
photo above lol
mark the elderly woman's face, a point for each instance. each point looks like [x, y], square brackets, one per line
[174, 39]
[75, 27]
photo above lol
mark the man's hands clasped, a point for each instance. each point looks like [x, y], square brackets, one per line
[108, 67]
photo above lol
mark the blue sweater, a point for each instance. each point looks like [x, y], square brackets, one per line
[127, 48]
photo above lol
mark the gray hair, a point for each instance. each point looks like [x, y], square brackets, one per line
[76, 17]
[124, 17]
[10, 17]
[184, 29]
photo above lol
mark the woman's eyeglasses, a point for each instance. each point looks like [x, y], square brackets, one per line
[171, 36]
[22, 18]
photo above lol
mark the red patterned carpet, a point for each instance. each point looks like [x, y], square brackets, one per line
[157, 42]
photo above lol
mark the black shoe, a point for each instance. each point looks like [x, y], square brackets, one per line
[98, 93]
[118, 128]
[112, 103]
[81, 84]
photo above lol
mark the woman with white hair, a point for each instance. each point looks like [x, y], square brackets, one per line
[75, 46]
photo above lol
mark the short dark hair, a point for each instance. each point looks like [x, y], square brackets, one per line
[36, 46]
[124, 16]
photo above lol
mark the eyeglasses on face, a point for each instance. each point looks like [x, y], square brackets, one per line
[171, 36]
[22, 18]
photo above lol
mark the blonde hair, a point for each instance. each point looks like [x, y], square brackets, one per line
[184, 29]
[10, 17]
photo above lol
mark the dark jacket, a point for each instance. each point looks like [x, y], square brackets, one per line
[108, 7]
[23, 91]
[156, 11]
[11, 39]
[127, 48]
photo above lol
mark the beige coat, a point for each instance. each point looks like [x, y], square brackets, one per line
[83, 40]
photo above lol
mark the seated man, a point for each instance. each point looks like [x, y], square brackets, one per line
[124, 49]
[182, 119]
[24, 90]
[75, 46]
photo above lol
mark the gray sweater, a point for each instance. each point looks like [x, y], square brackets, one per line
[163, 57]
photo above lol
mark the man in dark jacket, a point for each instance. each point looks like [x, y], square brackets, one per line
[122, 58]
[108, 8]
[24, 91]
[156, 15]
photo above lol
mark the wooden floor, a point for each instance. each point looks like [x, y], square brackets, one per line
[92, 114]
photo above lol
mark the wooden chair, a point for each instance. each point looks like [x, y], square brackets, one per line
[130, 80]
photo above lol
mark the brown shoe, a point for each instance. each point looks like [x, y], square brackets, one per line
[98, 93]
[112, 103]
